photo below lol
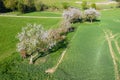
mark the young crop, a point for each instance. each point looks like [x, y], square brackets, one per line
[91, 14]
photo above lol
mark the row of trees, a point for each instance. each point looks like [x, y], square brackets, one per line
[74, 14]
[36, 5]
[34, 40]
[22, 5]
[32, 5]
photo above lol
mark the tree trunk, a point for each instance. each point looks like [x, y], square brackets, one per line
[91, 20]
[31, 60]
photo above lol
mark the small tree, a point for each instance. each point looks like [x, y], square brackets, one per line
[64, 27]
[39, 6]
[21, 7]
[72, 14]
[91, 14]
[93, 5]
[10, 4]
[118, 5]
[65, 5]
[25, 6]
[34, 39]
[84, 5]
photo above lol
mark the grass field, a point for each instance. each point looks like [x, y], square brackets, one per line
[87, 57]
[9, 28]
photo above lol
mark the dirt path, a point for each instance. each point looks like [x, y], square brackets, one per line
[108, 38]
[53, 69]
[27, 16]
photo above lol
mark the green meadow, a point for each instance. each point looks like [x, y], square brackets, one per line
[87, 57]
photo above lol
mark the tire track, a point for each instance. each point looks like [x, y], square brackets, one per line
[117, 46]
[108, 38]
[27, 16]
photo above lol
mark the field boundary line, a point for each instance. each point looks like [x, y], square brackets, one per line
[108, 38]
[27, 16]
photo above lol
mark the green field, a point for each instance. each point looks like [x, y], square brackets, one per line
[87, 58]
[9, 28]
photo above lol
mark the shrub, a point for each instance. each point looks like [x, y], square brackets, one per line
[10, 4]
[35, 40]
[59, 35]
[54, 7]
[65, 5]
[39, 5]
[64, 27]
[118, 3]
[72, 14]
[93, 5]
[91, 14]
[54, 35]
[25, 6]
[84, 5]
[21, 8]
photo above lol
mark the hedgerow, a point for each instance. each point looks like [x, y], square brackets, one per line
[34, 39]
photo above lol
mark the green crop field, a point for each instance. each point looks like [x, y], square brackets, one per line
[87, 57]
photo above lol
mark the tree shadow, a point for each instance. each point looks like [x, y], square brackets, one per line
[60, 45]
[77, 21]
[95, 20]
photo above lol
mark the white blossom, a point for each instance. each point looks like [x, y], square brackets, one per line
[91, 14]
[34, 37]
[72, 14]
